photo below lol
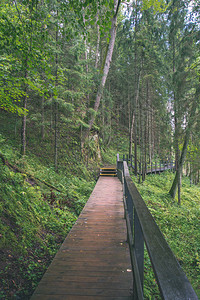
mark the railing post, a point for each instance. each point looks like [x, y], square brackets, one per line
[139, 248]
[131, 158]
[123, 157]
[129, 204]
[139, 171]
[117, 161]
[124, 196]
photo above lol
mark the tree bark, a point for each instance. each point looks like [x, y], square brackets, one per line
[23, 128]
[56, 110]
[180, 166]
[98, 43]
[105, 71]
[42, 125]
[177, 178]
[134, 115]
[85, 44]
[135, 107]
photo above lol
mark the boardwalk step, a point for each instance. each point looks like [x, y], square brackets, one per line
[108, 172]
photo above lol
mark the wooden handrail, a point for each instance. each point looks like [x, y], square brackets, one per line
[156, 167]
[142, 228]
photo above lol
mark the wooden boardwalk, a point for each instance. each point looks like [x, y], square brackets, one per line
[93, 262]
[157, 170]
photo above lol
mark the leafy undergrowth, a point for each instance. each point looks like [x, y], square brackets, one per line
[178, 223]
[118, 145]
[34, 219]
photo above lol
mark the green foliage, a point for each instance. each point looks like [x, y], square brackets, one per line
[179, 224]
[10, 87]
[119, 144]
[158, 5]
[22, 54]
[24, 213]
[27, 224]
[34, 218]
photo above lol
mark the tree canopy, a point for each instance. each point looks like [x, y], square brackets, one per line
[73, 68]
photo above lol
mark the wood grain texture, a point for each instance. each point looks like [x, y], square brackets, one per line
[93, 262]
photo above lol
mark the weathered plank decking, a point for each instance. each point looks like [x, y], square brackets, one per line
[93, 262]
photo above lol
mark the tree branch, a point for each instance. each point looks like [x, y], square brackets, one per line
[16, 169]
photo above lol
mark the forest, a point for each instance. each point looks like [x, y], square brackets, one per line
[80, 81]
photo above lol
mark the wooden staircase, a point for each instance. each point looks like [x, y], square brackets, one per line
[108, 171]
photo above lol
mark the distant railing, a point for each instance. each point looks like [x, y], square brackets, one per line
[151, 167]
[141, 228]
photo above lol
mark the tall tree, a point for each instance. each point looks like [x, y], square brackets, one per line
[105, 71]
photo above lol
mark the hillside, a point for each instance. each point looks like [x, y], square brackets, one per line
[35, 217]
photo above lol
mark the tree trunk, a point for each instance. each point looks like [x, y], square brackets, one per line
[56, 136]
[180, 166]
[105, 71]
[56, 111]
[23, 132]
[85, 44]
[134, 115]
[135, 106]
[42, 125]
[23, 128]
[177, 179]
[98, 43]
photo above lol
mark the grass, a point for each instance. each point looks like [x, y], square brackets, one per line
[178, 223]
[118, 145]
[34, 219]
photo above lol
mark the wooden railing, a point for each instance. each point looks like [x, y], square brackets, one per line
[141, 228]
[153, 167]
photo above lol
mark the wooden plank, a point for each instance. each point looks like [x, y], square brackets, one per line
[75, 297]
[93, 262]
[68, 290]
[89, 285]
[57, 271]
[74, 278]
